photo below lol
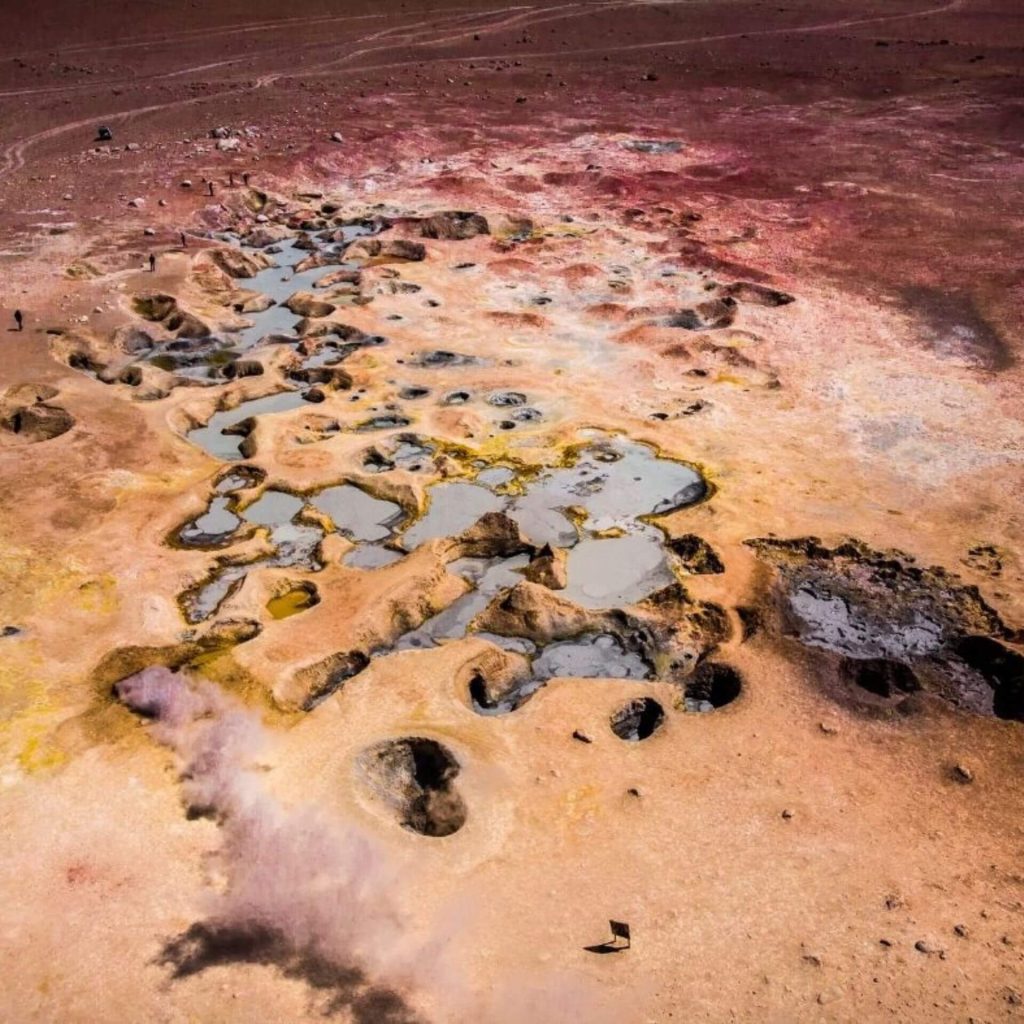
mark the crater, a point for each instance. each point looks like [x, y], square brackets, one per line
[713, 685]
[638, 719]
[415, 777]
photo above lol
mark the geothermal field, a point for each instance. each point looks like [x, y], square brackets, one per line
[512, 514]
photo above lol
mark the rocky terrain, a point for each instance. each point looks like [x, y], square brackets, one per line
[472, 474]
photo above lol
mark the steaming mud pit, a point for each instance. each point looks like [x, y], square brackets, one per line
[475, 532]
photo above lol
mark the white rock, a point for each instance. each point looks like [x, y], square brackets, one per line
[337, 137]
[137, 202]
[228, 145]
[186, 183]
[149, 231]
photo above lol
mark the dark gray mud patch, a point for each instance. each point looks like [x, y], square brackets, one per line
[506, 398]
[336, 988]
[442, 357]
[652, 147]
[1002, 668]
[696, 555]
[415, 777]
[389, 422]
[712, 685]
[638, 719]
[891, 621]
[953, 328]
[880, 676]
[708, 316]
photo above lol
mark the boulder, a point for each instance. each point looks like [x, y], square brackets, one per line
[308, 305]
[532, 611]
[454, 225]
[494, 535]
[267, 234]
[235, 262]
[548, 568]
[390, 249]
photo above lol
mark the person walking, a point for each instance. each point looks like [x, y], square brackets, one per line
[19, 319]
[152, 263]
[210, 183]
[184, 241]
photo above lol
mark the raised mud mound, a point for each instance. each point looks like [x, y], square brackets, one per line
[415, 777]
[887, 628]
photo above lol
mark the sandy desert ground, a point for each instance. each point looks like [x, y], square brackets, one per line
[565, 465]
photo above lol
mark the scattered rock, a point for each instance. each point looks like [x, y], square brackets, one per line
[962, 773]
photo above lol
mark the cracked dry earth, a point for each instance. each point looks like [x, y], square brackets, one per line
[424, 566]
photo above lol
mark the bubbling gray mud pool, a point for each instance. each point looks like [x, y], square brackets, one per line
[220, 436]
[615, 557]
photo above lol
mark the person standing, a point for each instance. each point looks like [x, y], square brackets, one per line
[184, 241]
[19, 319]
[152, 263]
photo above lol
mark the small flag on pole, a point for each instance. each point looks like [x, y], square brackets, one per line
[620, 930]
